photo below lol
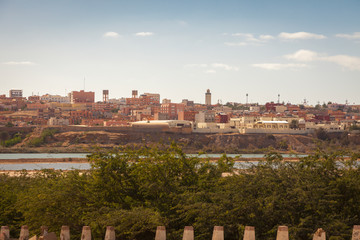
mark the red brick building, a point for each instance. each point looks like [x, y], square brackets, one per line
[222, 118]
[187, 115]
[172, 109]
[82, 97]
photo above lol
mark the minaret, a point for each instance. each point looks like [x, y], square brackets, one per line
[208, 98]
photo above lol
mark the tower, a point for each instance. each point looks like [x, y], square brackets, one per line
[134, 93]
[208, 98]
[105, 96]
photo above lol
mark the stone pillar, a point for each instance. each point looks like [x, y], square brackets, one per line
[282, 233]
[86, 233]
[356, 233]
[160, 233]
[188, 233]
[319, 234]
[4, 233]
[65, 233]
[218, 233]
[110, 233]
[24, 233]
[249, 233]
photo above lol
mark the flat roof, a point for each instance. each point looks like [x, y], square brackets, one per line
[273, 122]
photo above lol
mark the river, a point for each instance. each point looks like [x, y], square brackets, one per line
[84, 166]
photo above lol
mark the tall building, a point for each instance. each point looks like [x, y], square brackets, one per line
[172, 109]
[208, 97]
[15, 93]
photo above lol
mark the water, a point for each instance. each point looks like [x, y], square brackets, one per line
[39, 166]
[84, 166]
[83, 155]
[41, 155]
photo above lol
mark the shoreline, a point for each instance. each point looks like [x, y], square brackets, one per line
[85, 160]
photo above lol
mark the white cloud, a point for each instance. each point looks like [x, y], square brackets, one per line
[19, 63]
[224, 66]
[235, 44]
[300, 35]
[355, 35]
[349, 62]
[279, 66]
[144, 34]
[111, 35]
[210, 71]
[247, 36]
[303, 56]
[249, 39]
[266, 37]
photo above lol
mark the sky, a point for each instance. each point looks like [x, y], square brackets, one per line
[299, 49]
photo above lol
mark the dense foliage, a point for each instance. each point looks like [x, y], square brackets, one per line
[136, 190]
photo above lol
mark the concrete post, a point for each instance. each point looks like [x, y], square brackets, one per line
[110, 233]
[24, 233]
[4, 233]
[188, 233]
[65, 233]
[356, 233]
[86, 233]
[319, 234]
[160, 233]
[282, 233]
[218, 233]
[249, 233]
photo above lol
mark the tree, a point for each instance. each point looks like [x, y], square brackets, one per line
[294, 124]
[321, 134]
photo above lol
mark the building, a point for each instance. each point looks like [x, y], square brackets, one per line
[154, 96]
[82, 97]
[34, 98]
[205, 117]
[222, 118]
[164, 125]
[53, 121]
[271, 106]
[15, 93]
[208, 98]
[144, 99]
[172, 109]
[187, 115]
[55, 98]
[165, 101]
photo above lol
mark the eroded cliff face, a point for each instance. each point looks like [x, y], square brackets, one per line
[211, 143]
[65, 140]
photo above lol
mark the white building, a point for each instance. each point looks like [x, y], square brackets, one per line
[15, 93]
[58, 122]
[205, 117]
[55, 98]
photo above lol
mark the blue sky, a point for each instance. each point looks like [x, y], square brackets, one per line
[298, 49]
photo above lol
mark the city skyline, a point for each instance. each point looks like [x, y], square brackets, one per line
[300, 50]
